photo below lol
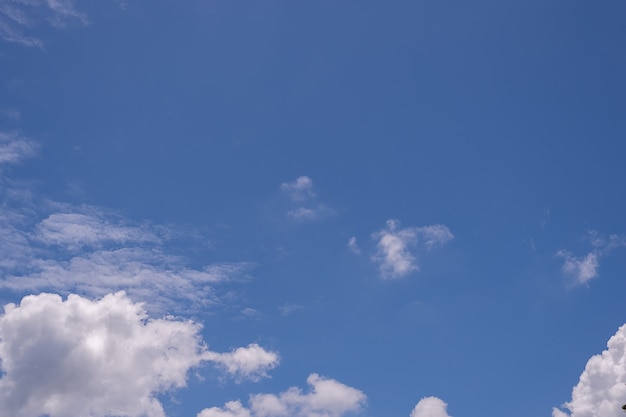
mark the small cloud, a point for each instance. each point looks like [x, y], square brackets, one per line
[326, 398]
[245, 363]
[15, 148]
[584, 268]
[304, 198]
[430, 407]
[394, 254]
[318, 212]
[353, 246]
[12, 114]
[299, 190]
[250, 312]
[581, 269]
[289, 309]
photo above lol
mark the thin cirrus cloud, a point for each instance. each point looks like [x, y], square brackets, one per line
[18, 18]
[396, 247]
[65, 248]
[582, 269]
[600, 391]
[302, 195]
[78, 357]
[326, 398]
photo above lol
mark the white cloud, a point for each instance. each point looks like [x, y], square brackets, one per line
[288, 309]
[317, 212]
[250, 363]
[584, 268]
[430, 407]
[581, 269]
[162, 281]
[76, 230]
[600, 392]
[14, 148]
[19, 16]
[78, 357]
[304, 199]
[231, 409]
[300, 189]
[435, 235]
[64, 248]
[326, 398]
[394, 256]
[353, 246]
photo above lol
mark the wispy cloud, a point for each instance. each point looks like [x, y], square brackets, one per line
[89, 226]
[19, 17]
[354, 246]
[318, 212]
[600, 391]
[302, 195]
[289, 309]
[88, 250]
[584, 268]
[326, 398]
[15, 148]
[300, 189]
[395, 247]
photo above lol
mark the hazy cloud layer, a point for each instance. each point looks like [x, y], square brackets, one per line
[326, 398]
[601, 390]
[395, 248]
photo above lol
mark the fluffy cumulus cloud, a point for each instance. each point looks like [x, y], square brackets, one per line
[249, 363]
[78, 357]
[583, 268]
[395, 247]
[430, 407]
[601, 390]
[326, 398]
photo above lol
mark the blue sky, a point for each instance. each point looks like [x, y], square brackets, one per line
[314, 209]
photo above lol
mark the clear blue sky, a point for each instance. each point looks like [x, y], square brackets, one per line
[406, 198]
